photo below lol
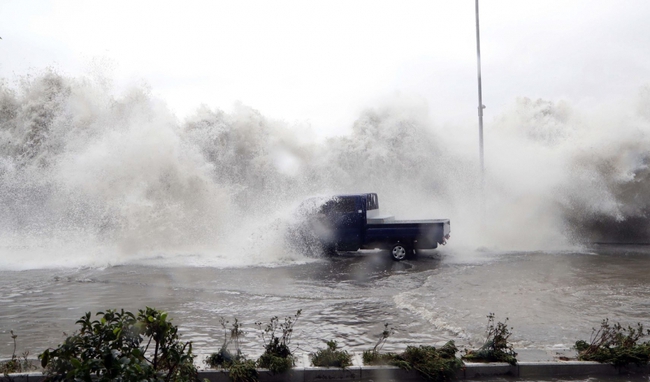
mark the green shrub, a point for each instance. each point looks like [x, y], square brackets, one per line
[243, 370]
[433, 364]
[120, 346]
[496, 347]
[16, 364]
[371, 357]
[239, 368]
[224, 358]
[277, 356]
[220, 359]
[616, 345]
[331, 357]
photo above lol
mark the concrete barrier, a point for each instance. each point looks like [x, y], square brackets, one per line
[478, 370]
[565, 369]
[539, 370]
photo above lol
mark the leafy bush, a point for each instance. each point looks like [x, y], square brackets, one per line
[433, 364]
[120, 346]
[331, 357]
[375, 358]
[239, 368]
[224, 358]
[220, 359]
[496, 347]
[616, 345]
[16, 364]
[243, 370]
[277, 356]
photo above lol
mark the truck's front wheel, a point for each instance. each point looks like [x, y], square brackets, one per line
[399, 251]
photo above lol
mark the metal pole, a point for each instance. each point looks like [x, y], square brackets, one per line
[480, 119]
[480, 99]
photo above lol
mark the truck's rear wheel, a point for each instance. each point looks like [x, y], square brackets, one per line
[400, 251]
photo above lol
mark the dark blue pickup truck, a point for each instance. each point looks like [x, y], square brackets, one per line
[353, 222]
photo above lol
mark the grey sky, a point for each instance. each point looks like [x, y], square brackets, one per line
[323, 61]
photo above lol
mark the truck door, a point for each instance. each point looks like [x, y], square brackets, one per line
[349, 222]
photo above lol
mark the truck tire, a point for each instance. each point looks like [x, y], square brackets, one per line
[400, 251]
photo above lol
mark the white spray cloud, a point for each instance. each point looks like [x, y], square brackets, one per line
[90, 178]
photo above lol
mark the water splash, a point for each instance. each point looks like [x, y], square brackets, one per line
[90, 178]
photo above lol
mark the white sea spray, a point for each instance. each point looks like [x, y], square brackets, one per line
[91, 178]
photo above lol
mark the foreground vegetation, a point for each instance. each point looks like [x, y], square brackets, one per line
[615, 344]
[331, 357]
[16, 364]
[122, 346]
[277, 357]
[433, 364]
[240, 368]
[496, 347]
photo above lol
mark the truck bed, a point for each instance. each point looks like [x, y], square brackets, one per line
[423, 233]
[402, 222]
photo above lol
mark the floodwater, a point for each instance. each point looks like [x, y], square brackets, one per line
[550, 299]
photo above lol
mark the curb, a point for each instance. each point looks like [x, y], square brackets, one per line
[392, 373]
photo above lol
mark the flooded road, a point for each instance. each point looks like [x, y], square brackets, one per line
[550, 299]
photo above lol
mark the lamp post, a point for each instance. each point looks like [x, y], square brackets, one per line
[480, 118]
[480, 99]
